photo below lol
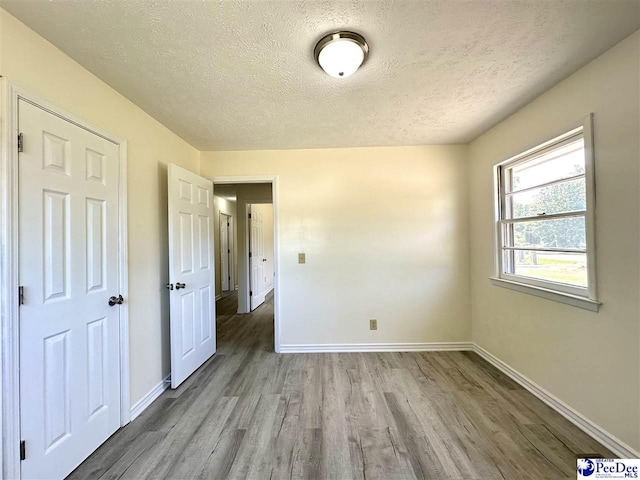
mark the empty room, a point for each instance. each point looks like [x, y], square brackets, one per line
[320, 239]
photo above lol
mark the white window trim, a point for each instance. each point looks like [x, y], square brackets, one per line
[586, 298]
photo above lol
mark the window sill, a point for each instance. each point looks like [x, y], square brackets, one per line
[574, 300]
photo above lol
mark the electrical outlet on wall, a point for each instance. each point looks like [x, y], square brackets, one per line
[302, 258]
[373, 324]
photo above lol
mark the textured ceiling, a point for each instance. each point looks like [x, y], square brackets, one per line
[235, 75]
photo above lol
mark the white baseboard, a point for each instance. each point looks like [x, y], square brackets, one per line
[218, 297]
[142, 404]
[268, 290]
[583, 423]
[376, 347]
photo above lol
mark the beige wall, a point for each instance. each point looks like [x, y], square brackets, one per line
[221, 205]
[385, 231]
[29, 61]
[588, 360]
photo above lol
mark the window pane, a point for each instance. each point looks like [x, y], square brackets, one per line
[568, 268]
[564, 162]
[553, 233]
[562, 197]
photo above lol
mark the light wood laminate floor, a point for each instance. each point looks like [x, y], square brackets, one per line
[251, 413]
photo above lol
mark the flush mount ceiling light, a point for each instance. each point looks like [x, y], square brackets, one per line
[340, 54]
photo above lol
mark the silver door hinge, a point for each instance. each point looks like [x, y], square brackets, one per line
[20, 142]
[23, 450]
[20, 295]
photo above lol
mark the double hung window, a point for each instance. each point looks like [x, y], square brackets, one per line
[545, 225]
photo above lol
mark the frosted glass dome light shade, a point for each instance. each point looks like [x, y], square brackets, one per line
[340, 54]
[341, 58]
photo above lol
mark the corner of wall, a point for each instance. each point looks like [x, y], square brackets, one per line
[470, 283]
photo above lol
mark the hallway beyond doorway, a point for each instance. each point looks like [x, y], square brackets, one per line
[243, 331]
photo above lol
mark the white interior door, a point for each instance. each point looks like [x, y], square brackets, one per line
[224, 252]
[69, 334]
[191, 272]
[256, 258]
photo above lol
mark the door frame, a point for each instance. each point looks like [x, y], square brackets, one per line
[231, 246]
[273, 180]
[9, 268]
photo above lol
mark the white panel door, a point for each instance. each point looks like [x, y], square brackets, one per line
[256, 258]
[69, 334]
[191, 272]
[225, 275]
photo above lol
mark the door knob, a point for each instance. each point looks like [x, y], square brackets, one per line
[180, 285]
[116, 300]
[170, 286]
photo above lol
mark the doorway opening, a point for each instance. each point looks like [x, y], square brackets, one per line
[251, 202]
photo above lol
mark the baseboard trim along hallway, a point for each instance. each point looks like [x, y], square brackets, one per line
[142, 404]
